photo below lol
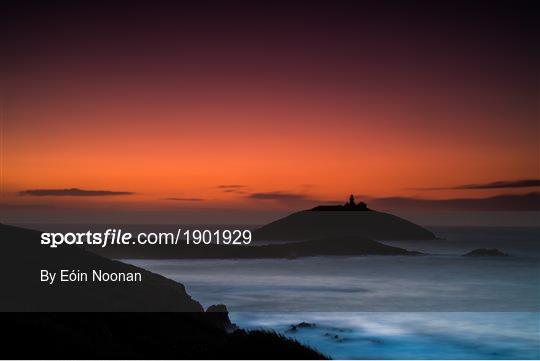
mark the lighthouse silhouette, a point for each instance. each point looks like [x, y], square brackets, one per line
[351, 205]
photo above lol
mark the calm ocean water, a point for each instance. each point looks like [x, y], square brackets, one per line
[441, 305]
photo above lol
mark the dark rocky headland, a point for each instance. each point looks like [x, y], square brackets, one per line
[171, 325]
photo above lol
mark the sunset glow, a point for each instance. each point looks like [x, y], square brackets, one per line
[315, 110]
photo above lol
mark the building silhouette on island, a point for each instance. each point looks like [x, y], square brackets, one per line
[351, 205]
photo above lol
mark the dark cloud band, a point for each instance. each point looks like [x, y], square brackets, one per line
[505, 202]
[522, 183]
[279, 196]
[73, 192]
[184, 199]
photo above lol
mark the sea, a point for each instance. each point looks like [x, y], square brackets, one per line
[439, 305]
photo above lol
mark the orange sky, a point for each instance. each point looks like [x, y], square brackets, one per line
[325, 147]
[320, 116]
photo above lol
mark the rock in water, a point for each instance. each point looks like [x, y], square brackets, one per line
[295, 327]
[485, 252]
[220, 316]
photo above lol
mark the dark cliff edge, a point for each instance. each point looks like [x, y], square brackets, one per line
[177, 328]
[327, 222]
[24, 257]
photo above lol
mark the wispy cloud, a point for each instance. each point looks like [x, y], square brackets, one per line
[184, 199]
[228, 186]
[10, 207]
[280, 196]
[521, 183]
[505, 202]
[72, 192]
[232, 188]
[292, 198]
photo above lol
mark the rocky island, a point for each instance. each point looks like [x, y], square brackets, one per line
[348, 220]
[348, 230]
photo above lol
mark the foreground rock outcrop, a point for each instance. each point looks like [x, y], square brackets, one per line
[138, 335]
